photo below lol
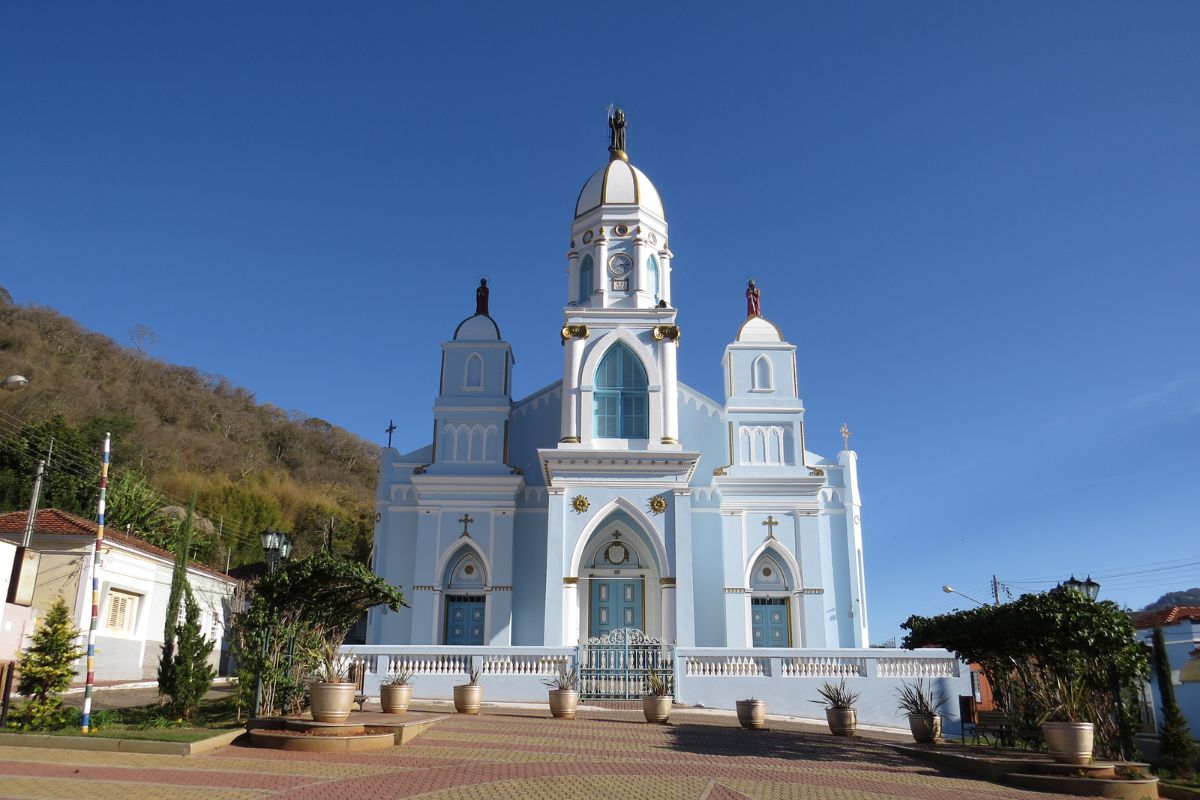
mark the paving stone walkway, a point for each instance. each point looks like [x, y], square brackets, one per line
[506, 755]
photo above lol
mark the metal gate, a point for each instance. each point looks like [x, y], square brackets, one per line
[615, 666]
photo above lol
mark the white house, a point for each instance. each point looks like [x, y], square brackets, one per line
[135, 582]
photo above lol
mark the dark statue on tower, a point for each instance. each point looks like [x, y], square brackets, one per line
[753, 309]
[481, 298]
[616, 126]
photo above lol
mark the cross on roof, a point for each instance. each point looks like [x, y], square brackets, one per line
[845, 436]
[466, 520]
[391, 428]
[770, 522]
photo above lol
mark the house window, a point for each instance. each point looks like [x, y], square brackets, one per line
[622, 403]
[122, 611]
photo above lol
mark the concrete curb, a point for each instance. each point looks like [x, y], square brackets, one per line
[102, 744]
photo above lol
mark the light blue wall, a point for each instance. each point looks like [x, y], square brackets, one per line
[529, 575]
[709, 594]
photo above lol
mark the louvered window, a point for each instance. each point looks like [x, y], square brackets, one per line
[122, 611]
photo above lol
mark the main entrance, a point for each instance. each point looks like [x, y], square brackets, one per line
[618, 664]
[464, 620]
[616, 603]
[770, 623]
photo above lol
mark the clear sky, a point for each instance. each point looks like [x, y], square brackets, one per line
[980, 224]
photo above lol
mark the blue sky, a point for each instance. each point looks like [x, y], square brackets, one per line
[978, 223]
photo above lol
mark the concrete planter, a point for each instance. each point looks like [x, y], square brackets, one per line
[395, 697]
[331, 702]
[468, 697]
[563, 703]
[752, 714]
[926, 728]
[1069, 742]
[842, 721]
[657, 708]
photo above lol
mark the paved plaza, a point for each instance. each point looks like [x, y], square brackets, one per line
[511, 754]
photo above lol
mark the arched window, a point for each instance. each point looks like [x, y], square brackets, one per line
[622, 404]
[585, 280]
[473, 378]
[763, 377]
[652, 277]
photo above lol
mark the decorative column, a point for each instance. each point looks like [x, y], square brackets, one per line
[853, 505]
[570, 593]
[733, 559]
[685, 603]
[425, 611]
[572, 273]
[553, 627]
[664, 276]
[573, 337]
[600, 268]
[639, 260]
[670, 390]
[499, 602]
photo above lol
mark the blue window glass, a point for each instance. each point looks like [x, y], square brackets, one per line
[621, 402]
[652, 276]
[585, 280]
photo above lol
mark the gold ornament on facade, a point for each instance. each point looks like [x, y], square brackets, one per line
[816, 472]
[574, 331]
[658, 504]
[661, 332]
[580, 503]
[719, 471]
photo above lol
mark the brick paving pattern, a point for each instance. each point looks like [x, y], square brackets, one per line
[515, 756]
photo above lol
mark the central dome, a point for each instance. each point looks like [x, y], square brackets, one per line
[619, 183]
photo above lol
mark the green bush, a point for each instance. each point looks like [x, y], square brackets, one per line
[46, 670]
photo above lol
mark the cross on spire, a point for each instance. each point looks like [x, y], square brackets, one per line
[770, 522]
[466, 520]
[845, 437]
[391, 428]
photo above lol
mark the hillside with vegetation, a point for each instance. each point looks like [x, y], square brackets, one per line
[176, 431]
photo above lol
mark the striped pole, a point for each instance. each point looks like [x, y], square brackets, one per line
[91, 642]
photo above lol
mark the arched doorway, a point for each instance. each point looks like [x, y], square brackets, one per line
[772, 600]
[464, 583]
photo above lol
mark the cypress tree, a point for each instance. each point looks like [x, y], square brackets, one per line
[45, 668]
[1176, 751]
[179, 588]
[191, 674]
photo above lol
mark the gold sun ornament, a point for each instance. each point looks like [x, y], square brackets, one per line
[658, 504]
[580, 503]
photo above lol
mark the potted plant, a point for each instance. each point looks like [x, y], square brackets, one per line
[331, 695]
[469, 696]
[922, 706]
[656, 703]
[839, 708]
[396, 691]
[752, 713]
[1069, 736]
[563, 696]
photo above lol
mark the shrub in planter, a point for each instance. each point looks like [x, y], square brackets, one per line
[1069, 736]
[468, 697]
[395, 693]
[922, 707]
[839, 702]
[331, 696]
[564, 698]
[656, 703]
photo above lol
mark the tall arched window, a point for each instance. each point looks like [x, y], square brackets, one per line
[652, 277]
[585, 280]
[473, 374]
[622, 404]
[763, 375]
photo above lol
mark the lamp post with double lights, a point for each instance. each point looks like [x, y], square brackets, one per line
[1089, 588]
[277, 546]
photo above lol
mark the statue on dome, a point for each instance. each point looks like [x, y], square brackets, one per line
[616, 126]
[753, 309]
[481, 298]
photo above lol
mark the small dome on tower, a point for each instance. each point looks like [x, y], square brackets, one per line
[619, 183]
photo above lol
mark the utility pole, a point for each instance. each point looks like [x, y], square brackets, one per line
[37, 493]
[996, 589]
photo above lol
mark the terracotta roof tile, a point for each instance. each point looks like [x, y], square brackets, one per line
[55, 522]
[1164, 616]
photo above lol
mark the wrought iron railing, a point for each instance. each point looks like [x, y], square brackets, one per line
[618, 665]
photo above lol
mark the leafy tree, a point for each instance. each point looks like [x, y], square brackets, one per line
[133, 503]
[191, 675]
[46, 669]
[1027, 646]
[303, 605]
[1177, 752]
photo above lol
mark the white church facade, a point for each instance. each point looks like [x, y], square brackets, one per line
[618, 496]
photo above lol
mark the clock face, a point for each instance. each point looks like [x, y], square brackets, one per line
[620, 264]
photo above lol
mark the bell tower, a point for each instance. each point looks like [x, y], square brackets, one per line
[619, 294]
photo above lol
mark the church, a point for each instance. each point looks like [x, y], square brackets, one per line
[618, 497]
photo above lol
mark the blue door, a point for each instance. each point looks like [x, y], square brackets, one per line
[464, 620]
[615, 604]
[770, 622]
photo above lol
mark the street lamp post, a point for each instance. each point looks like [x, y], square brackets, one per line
[277, 546]
[951, 590]
[1089, 588]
